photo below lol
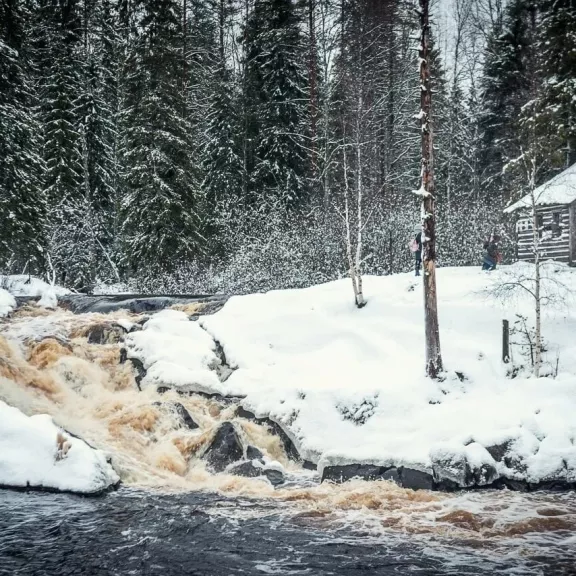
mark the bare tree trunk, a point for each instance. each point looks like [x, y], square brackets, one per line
[536, 240]
[432, 332]
[313, 80]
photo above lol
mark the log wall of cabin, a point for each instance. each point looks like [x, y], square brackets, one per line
[556, 247]
[572, 233]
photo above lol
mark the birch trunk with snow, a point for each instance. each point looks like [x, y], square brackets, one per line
[432, 331]
[537, 279]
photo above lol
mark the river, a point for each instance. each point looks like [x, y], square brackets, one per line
[136, 532]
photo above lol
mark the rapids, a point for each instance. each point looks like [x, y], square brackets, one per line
[170, 504]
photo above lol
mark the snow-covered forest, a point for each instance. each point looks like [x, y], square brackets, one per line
[214, 145]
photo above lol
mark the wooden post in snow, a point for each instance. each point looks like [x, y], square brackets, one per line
[433, 354]
[505, 341]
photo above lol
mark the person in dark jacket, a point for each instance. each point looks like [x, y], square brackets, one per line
[491, 254]
[418, 254]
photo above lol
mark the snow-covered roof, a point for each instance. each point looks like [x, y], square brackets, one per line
[558, 190]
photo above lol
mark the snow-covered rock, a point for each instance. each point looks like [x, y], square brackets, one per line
[7, 302]
[348, 387]
[35, 453]
[175, 353]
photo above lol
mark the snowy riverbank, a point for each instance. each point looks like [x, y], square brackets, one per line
[347, 385]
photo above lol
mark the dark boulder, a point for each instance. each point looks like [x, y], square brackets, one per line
[499, 451]
[415, 479]
[123, 355]
[246, 414]
[289, 447]
[252, 453]
[405, 477]
[185, 417]
[105, 334]
[350, 471]
[307, 465]
[274, 476]
[249, 470]
[224, 449]
[393, 475]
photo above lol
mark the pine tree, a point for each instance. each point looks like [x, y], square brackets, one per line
[22, 206]
[277, 95]
[162, 205]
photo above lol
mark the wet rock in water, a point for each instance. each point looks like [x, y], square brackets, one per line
[253, 453]
[184, 415]
[415, 479]
[123, 355]
[350, 471]
[274, 476]
[180, 411]
[307, 465]
[289, 447]
[246, 414]
[250, 470]
[140, 370]
[405, 477]
[224, 449]
[393, 475]
[105, 334]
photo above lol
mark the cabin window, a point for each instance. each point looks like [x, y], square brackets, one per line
[556, 226]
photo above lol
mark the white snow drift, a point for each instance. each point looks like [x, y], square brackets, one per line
[348, 385]
[175, 353]
[35, 452]
[7, 302]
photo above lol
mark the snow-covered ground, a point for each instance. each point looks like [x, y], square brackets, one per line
[35, 452]
[348, 385]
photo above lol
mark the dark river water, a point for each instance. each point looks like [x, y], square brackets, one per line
[200, 534]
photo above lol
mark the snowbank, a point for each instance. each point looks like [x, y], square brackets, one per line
[7, 302]
[22, 285]
[175, 352]
[36, 453]
[347, 385]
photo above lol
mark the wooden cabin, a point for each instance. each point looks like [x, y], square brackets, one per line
[556, 217]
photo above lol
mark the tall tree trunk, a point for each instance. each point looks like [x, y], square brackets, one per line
[313, 80]
[433, 354]
[537, 281]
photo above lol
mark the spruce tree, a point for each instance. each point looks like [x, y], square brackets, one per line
[22, 205]
[277, 98]
[506, 84]
[556, 108]
[162, 205]
[222, 163]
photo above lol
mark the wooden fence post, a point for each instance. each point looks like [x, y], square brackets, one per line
[505, 341]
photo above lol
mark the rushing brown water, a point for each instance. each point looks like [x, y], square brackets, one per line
[48, 366]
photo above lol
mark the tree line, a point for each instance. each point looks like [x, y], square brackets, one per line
[240, 145]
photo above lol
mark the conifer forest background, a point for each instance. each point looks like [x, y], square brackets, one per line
[222, 145]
